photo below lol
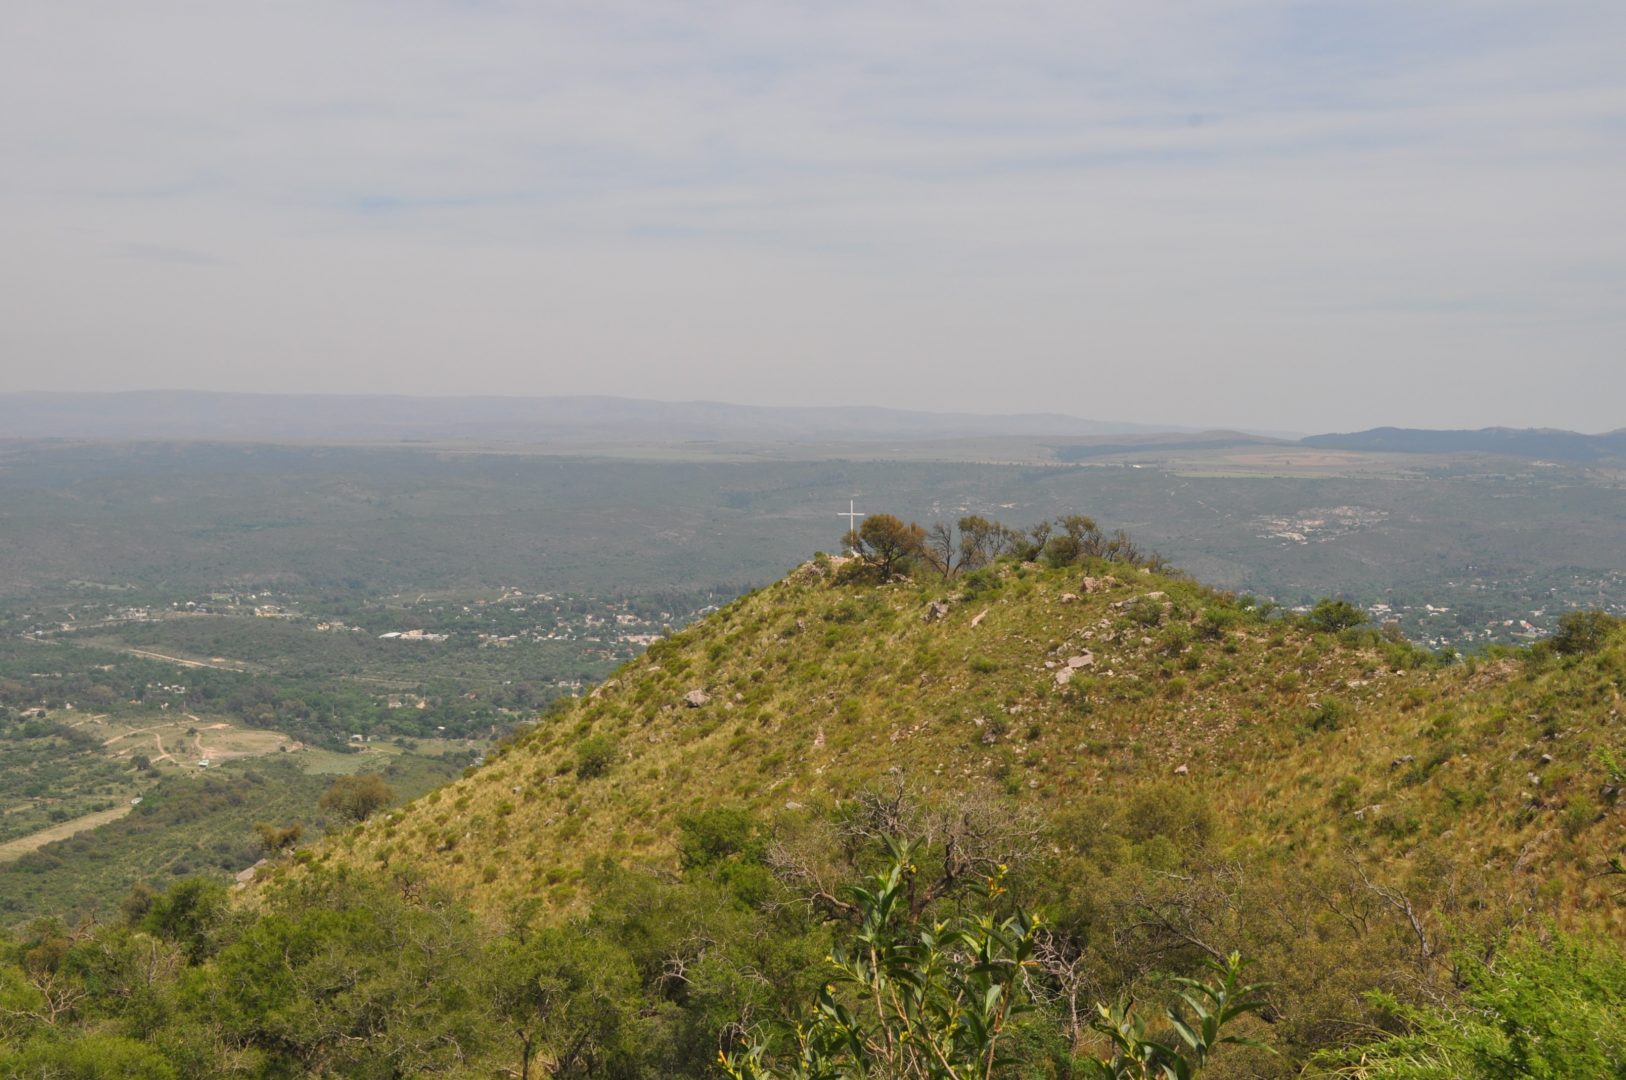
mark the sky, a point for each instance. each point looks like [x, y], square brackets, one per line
[1291, 216]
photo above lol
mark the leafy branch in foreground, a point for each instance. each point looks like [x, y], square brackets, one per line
[1136, 1056]
[912, 1000]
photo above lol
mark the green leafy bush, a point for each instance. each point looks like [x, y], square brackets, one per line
[595, 755]
[1582, 632]
[1536, 1009]
[1332, 616]
[358, 797]
[942, 999]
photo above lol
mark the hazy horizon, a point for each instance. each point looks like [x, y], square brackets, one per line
[78, 413]
[1242, 214]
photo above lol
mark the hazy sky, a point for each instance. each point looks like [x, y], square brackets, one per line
[1290, 215]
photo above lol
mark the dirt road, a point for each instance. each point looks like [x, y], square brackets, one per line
[16, 849]
[222, 665]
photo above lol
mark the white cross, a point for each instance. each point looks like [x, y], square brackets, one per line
[852, 515]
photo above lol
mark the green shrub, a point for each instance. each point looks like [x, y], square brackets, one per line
[1333, 616]
[978, 582]
[1217, 622]
[595, 755]
[1345, 795]
[1174, 641]
[1328, 714]
[1577, 815]
[88, 1057]
[947, 998]
[714, 835]
[1582, 632]
[1146, 612]
[357, 797]
[1535, 1009]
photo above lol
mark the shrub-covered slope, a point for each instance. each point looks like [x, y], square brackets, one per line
[1131, 774]
[1484, 786]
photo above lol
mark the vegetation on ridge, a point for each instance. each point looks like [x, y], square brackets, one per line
[658, 872]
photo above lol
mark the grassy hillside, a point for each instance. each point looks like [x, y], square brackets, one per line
[1194, 775]
[1161, 773]
[1049, 687]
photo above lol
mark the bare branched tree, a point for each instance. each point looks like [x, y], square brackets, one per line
[970, 838]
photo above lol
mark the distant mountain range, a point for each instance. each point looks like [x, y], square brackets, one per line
[1540, 443]
[185, 414]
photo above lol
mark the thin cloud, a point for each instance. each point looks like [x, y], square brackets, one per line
[1248, 212]
[174, 255]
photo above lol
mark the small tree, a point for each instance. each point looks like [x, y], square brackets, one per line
[569, 998]
[1028, 546]
[941, 551]
[1080, 537]
[982, 541]
[886, 544]
[1333, 616]
[1581, 632]
[188, 914]
[978, 542]
[595, 755]
[358, 797]
[1121, 547]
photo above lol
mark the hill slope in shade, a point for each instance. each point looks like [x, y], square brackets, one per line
[1545, 443]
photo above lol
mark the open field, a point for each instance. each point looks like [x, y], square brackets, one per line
[69, 771]
[185, 741]
[1289, 462]
[196, 823]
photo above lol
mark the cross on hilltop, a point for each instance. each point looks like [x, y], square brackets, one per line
[851, 514]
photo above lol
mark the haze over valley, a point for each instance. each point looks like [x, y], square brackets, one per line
[812, 542]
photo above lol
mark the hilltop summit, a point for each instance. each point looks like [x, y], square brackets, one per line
[1142, 776]
[1044, 687]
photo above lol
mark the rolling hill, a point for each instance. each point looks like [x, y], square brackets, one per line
[1165, 773]
[1540, 443]
[1336, 804]
[1044, 687]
